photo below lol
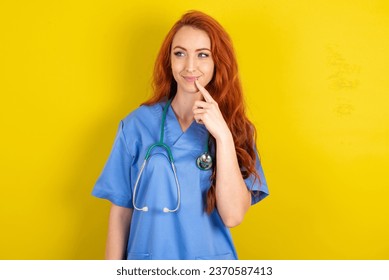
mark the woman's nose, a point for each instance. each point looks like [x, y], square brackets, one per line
[190, 64]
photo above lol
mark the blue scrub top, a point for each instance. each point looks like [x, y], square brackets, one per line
[189, 233]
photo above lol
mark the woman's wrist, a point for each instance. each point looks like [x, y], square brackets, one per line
[225, 138]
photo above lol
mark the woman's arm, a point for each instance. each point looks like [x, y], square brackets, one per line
[118, 229]
[233, 199]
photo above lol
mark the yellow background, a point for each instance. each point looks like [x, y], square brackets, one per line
[316, 80]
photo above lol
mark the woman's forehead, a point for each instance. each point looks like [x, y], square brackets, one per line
[191, 38]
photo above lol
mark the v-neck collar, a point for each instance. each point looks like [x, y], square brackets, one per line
[173, 113]
[193, 138]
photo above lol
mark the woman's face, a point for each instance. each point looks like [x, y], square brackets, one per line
[191, 59]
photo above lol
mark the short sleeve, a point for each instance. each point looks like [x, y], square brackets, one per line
[114, 181]
[258, 187]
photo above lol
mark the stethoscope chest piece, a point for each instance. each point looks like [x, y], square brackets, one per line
[204, 161]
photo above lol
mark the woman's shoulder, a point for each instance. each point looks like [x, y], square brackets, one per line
[144, 115]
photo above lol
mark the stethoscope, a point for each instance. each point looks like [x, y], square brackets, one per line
[203, 162]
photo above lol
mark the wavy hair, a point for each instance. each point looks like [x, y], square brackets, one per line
[225, 88]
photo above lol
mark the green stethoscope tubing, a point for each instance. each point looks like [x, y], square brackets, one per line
[204, 162]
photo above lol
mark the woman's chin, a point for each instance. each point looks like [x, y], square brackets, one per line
[189, 89]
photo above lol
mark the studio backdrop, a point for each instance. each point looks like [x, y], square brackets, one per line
[315, 78]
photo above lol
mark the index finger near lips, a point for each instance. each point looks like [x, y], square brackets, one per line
[204, 92]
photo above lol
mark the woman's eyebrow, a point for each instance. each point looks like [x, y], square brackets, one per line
[201, 49]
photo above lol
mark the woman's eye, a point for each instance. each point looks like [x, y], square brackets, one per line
[179, 54]
[203, 55]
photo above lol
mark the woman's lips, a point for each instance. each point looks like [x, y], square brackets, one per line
[190, 79]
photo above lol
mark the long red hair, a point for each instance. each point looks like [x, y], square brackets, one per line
[225, 88]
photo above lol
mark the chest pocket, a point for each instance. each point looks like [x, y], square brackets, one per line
[204, 175]
[205, 179]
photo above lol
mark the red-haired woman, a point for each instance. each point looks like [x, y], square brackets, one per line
[184, 167]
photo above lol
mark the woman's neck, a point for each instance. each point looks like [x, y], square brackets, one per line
[182, 106]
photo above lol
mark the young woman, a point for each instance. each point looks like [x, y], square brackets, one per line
[184, 167]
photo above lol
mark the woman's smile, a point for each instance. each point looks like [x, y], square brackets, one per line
[190, 79]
